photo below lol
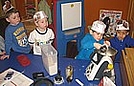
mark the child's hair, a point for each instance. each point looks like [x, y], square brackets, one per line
[13, 10]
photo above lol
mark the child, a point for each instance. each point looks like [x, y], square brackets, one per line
[42, 34]
[92, 40]
[122, 40]
[15, 34]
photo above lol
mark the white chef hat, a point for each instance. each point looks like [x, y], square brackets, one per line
[39, 15]
[98, 26]
[122, 25]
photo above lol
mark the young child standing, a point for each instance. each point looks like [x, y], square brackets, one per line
[15, 34]
[122, 39]
[42, 34]
[93, 40]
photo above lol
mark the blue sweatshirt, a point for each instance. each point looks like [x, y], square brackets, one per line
[87, 47]
[120, 45]
[16, 39]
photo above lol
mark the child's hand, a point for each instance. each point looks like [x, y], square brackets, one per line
[4, 57]
[107, 43]
[97, 45]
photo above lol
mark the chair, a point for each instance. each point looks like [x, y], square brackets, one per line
[3, 25]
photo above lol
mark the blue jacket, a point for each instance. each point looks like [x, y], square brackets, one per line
[16, 39]
[87, 47]
[121, 45]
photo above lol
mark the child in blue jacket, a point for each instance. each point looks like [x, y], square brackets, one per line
[93, 40]
[15, 34]
[122, 39]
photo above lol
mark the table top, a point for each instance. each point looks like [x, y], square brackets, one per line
[128, 62]
[36, 65]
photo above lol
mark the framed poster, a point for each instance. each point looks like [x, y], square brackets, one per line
[113, 16]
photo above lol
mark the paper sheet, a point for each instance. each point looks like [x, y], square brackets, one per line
[18, 79]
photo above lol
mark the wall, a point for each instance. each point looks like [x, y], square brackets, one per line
[92, 8]
[20, 5]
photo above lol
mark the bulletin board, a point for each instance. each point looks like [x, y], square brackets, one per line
[114, 16]
[71, 15]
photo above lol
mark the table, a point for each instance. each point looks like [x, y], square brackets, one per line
[37, 66]
[127, 68]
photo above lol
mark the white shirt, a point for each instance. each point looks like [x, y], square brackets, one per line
[37, 38]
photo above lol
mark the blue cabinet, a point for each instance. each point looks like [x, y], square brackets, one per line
[69, 23]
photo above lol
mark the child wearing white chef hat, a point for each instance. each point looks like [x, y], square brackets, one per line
[42, 34]
[93, 40]
[122, 38]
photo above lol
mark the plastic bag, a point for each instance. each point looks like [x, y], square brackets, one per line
[105, 81]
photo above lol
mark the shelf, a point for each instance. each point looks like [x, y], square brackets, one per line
[30, 8]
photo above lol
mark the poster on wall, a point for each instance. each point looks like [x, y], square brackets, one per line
[110, 17]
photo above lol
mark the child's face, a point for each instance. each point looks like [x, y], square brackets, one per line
[14, 18]
[42, 23]
[97, 36]
[121, 34]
